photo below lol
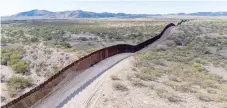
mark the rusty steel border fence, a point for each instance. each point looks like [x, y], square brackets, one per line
[41, 91]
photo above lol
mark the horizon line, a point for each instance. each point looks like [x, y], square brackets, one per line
[112, 12]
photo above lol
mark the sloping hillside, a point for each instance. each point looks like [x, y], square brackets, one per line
[179, 72]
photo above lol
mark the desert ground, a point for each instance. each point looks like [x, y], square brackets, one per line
[186, 70]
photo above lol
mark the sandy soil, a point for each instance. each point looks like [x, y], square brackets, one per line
[217, 70]
[101, 94]
[99, 88]
[8, 73]
[39, 57]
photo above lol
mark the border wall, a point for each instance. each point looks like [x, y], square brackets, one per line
[75, 68]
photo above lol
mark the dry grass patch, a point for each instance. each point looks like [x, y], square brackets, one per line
[174, 98]
[212, 95]
[148, 75]
[224, 105]
[174, 78]
[205, 97]
[114, 77]
[120, 87]
[183, 87]
[165, 92]
[223, 97]
[138, 83]
[185, 68]
[161, 91]
[185, 73]
[211, 91]
[16, 84]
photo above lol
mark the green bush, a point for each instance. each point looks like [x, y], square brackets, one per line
[21, 67]
[4, 60]
[11, 53]
[12, 58]
[34, 39]
[47, 38]
[17, 55]
[11, 62]
[19, 83]
[65, 44]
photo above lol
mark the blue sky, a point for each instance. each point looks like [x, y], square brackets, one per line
[9, 7]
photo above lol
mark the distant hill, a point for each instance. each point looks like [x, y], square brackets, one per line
[35, 13]
[205, 14]
[73, 14]
[86, 14]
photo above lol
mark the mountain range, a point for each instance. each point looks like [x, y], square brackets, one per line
[87, 14]
[73, 14]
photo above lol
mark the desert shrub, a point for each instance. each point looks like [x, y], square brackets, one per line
[200, 61]
[34, 39]
[205, 97]
[162, 91]
[12, 57]
[145, 55]
[16, 55]
[183, 87]
[138, 83]
[114, 77]
[196, 65]
[90, 49]
[145, 77]
[47, 38]
[160, 62]
[48, 74]
[11, 53]
[174, 98]
[11, 62]
[5, 55]
[175, 78]
[19, 83]
[71, 50]
[20, 67]
[213, 76]
[55, 69]
[211, 91]
[83, 39]
[161, 48]
[148, 76]
[3, 78]
[209, 83]
[119, 86]
[3, 39]
[65, 45]
[4, 60]
[38, 70]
